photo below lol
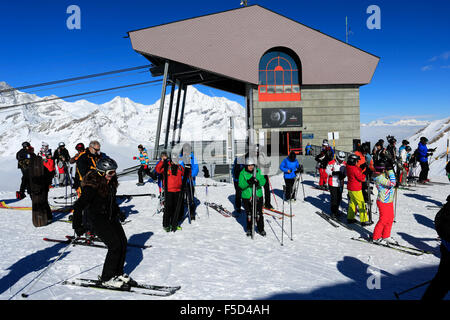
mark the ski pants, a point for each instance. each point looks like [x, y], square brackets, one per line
[336, 199]
[24, 182]
[424, 171]
[289, 188]
[141, 173]
[384, 224]
[440, 285]
[112, 234]
[237, 196]
[323, 177]
[248, 205]
[357, 200]
[172, 216]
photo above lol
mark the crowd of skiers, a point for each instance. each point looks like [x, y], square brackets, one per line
[95, 180]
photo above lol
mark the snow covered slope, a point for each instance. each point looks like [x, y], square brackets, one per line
[437, 133]
[212, 258]
[119, 122]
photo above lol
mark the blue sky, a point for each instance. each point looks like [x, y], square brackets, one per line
[412, 78]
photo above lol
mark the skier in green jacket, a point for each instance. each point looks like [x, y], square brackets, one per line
[246, 182]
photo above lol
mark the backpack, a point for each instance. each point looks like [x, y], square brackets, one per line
[442, 221]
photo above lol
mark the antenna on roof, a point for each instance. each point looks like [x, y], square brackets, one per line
[244, 3]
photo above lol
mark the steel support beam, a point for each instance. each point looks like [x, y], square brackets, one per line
[161, 110]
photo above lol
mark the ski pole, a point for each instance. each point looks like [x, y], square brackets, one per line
[303, 187]
[397, 294]
[282, 218]
[36, 280]
[290, 212]
[395, 203]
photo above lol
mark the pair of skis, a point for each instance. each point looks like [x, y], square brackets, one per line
[144, 289]
[397, 247]
[220, 209]
[88, 242]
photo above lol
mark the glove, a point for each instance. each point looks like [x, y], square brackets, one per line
[252, 181]
[134, 158]
[145, 166]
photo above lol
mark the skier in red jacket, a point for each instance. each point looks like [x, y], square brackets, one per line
[172, 174]
[355, 178]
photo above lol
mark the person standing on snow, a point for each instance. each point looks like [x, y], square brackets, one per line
[172, 174]
[385, 182]
[325, 156]
[145, 165]
[336, 171]
[62, 158]
[246, 183]
[354, 185]
[290, 166]
[98, 201]
[23, 160]
[440, 285]
[423, 153]
[80, 151]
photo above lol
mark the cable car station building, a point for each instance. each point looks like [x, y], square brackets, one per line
[300, 84]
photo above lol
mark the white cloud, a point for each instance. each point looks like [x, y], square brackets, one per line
[427, 68]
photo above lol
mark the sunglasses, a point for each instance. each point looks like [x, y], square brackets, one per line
[110, 173]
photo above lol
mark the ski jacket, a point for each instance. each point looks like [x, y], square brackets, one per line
[247, 189]
[355, 178]
[87, 161]
[289, 167]
[336, 173]
[174, 176]
[61, 154]
[385, 187]
[143, 157]
[422, 150]
[49, 164]
[98, 197]
[362, 163]
[23, 158]
[325, 156]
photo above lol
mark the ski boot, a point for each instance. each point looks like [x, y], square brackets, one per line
[20, 195]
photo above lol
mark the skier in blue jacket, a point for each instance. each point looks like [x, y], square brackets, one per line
[290, 166]
[423, 153]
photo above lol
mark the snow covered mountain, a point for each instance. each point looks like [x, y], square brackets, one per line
[117, 122]
[437, 133]
[379, 129]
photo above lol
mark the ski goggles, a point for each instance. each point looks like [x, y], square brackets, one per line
[110, 173]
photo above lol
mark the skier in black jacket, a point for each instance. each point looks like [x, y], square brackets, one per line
[98, 200]
[23, 160]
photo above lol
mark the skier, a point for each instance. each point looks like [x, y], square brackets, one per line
[354, 186]
[423, 153]
[39, 182]
[172, 174]
[192, 163]
[246, 182]
[366, 167]
[61, 158]
[144, 168]
[80, 151]
[337, 172]
[440, 285]
[325, 156]
[290, 166]
[49, 163]
[405, 155]
[98, 201]
[378, 151]
[385, 182]
[23, 161]
[391, 149]
[88, 160]
[308, 149]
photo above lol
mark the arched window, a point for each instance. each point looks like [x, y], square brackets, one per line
[278, 77]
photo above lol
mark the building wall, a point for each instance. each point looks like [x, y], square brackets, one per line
[325, 108]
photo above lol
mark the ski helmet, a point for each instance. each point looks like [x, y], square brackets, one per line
[26, 144]
[391, 140]
[61, 144]
[423, 140]
[44, 144]
[106, 164]
[80, 147]
[353, 159]
[140, 146]
[405, 142]
[341, 156]
[250, 161]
